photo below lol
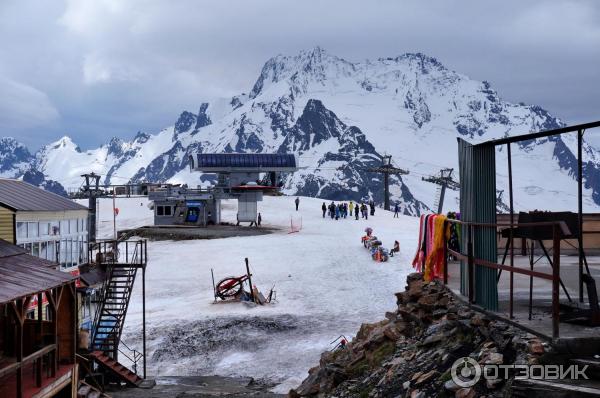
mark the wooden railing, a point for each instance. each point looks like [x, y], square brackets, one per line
[559, 229]
[36, 358]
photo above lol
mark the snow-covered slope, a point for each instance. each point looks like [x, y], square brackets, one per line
[340, 117]
[325, 280]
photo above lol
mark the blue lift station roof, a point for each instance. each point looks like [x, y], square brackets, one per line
[250, 161]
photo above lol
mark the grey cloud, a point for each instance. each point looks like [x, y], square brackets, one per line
[113, 67]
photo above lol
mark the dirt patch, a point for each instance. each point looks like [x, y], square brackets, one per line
[157, 233]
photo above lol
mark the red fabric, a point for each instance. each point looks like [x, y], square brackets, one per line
[418, 259]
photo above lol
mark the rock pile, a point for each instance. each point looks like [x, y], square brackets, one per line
[411, 352]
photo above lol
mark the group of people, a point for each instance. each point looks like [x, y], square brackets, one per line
[378, 252]
[342, 210]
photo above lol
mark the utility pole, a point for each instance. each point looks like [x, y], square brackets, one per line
[445, 180]
[387, 169]
[91, 189]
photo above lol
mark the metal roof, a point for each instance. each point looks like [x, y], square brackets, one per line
[541, 134]
[22, 275]
[21, 196]
[244, 161]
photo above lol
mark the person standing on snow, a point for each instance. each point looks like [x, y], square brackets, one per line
[332, 210]
[259, 219]
[372, 206]
[337, 212]
[356, 211]
[396, 210]
[351, 208]
[324, 208]
[297, 201]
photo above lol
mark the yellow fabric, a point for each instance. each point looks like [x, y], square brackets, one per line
[435, 261]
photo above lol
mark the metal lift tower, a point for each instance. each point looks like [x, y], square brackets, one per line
[444, 180]
[386, 169]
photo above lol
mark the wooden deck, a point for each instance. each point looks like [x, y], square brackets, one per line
[50, 385]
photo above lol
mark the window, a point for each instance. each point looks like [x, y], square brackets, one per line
[72, 226]
[168, 210]
[21, 230]
[64, 227]
[54, 228]
[32, 230]
[84, 224]
[44, 228]
[160, 210]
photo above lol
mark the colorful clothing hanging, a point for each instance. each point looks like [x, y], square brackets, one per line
[434, 264]
[429, 258]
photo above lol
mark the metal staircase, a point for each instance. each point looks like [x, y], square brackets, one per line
[121, 260]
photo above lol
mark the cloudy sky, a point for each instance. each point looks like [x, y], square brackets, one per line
[93, 69]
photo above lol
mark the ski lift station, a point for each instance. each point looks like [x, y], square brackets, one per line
[241, 176]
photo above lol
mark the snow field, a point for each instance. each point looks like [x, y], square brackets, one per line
[326, 284]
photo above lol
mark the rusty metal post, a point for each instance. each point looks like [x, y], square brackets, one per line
[249, 279]
[555, 282]
[580, 210]
[144, 315]
[531, 257]
[512, 220]
[470, 263]
[19, 346]
[38, 363]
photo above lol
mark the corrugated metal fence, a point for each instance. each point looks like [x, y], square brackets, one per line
[477, 168]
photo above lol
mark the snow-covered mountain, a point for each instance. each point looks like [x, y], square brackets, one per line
[340, 117]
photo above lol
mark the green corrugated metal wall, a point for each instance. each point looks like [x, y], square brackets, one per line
[477, 168]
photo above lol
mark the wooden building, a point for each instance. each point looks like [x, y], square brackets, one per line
[46, 225]
[37, 356]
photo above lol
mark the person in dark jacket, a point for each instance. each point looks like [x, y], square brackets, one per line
[332, 210]
[396, 210]
[324, 208]
[356, 210]
[372, 206]
[258, 220]
[297, 201]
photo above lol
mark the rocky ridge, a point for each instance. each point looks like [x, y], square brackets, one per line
[411, 352]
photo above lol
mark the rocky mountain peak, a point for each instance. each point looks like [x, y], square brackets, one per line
[64, 142]
[141, 138]
[314, 65]
[422, 62]
[12, 153]
[184, 123]
[115, 147]
[202, 119]
[338, 116]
